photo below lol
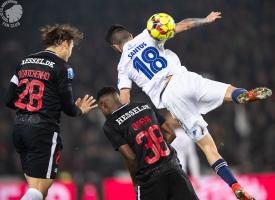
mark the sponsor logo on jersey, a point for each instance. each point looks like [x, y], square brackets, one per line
[137, 49]
[131, 113]
[39, 61]
[70, 73]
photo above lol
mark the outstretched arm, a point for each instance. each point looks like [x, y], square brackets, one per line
[195, 22]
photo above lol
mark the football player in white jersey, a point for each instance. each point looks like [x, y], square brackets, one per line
[187, 95]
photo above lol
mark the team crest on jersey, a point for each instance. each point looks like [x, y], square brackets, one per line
[70, 73]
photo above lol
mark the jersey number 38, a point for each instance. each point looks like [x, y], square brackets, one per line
[154, 143]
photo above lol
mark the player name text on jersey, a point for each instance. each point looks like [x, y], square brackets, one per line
[34, 74]
[131, 113]
[136, 50]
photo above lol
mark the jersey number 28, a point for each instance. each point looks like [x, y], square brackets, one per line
[154, 143]
[29, 90]
[151, 56]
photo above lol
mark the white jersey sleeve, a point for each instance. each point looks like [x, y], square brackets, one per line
[145, 61]
[123, 79]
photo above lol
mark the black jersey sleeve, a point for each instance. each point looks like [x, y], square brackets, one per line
[65, 91]
[114, 137]
[11, 96]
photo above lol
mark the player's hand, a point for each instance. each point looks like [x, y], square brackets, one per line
[86, 104]
[213, 16]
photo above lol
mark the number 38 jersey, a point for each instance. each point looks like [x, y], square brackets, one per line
[145, 61]
[137, 125]
[40, 89]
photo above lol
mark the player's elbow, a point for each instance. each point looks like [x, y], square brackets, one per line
[11, 96]
[9, 101]
[182, 27]
[132, 159]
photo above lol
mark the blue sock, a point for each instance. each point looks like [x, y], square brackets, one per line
[222, 169]
[236, 93]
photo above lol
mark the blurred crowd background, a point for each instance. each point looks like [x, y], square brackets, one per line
[238, 49]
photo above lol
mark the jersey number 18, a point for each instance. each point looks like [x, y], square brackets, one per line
[151, 56]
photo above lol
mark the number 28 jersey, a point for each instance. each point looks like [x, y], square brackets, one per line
[145, 61]
[43, 88]
[137, 125]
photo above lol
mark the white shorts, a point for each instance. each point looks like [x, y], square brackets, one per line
[188, 95]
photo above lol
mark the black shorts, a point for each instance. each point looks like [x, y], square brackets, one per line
[39, 150]
[173, 185]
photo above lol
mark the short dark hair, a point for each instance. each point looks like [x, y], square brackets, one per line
[105, 91]
[117, 34]
[53, 35]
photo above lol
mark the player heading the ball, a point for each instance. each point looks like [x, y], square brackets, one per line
[187, 95]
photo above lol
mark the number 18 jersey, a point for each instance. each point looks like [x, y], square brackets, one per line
[145, 61]
[137, 125]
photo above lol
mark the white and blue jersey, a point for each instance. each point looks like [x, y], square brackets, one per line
[145, 61]
[187, 96]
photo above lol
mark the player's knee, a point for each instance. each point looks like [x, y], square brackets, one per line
[42, 185]
[33, 194]
[207, 145]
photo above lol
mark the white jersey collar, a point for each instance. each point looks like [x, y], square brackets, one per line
[120, 108]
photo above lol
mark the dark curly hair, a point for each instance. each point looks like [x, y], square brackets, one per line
[53, 35]
[105, 91]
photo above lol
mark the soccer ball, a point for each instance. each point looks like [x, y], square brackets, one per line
[161, 26]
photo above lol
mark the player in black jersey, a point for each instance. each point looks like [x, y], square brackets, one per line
[135, 130]
[39, 90]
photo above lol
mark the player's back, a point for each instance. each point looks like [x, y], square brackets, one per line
[145, 61]
[40, 77]
[138, 125]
